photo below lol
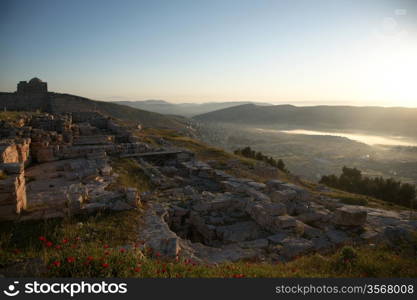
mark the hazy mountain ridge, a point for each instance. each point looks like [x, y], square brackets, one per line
[383, 120]
[182, 109]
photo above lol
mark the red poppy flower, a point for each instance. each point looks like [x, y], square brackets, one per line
[71, 259]
[58, 247]
[105, 265]
[90, 258]
[64, 241]
[123, 250]
[157, 254]
[138, 269]
[56, 263]
[48, 244]
[106, 246]
[42, 238]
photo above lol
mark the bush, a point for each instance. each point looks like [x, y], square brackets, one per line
[249, 153]
[390, 190]
[347, 253]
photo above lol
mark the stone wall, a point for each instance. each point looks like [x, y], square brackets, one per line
[12, 101]
[12, 190]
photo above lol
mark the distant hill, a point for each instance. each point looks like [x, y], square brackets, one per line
[392, 120]
[64, 103]
[181, 109]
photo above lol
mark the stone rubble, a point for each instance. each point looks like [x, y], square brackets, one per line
[216, 217]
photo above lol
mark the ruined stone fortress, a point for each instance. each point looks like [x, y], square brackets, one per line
[55, 164]
[33, 87]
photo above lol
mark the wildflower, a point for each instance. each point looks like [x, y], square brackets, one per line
[105, 265]
[137, 269]
[58, 247]
[90, 258]
[106, 253]
[65, 241]
[48, 244]
[71, 259]
[157, 254]
[16, 251]
[123, 250]
[57, 263]
[106, 246]
[42, 238]
[239, 276]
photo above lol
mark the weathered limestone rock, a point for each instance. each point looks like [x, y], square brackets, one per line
[274, 184]
[230, 186]
[120, 205]
[277, 238]
[292, 247]
[396, 236]
[276, 209]
[302, 193]
[76, 195]
[257, 185]
[133, 197]
[349, 216]
[285, 195]
[321, 243]
[12, 191]
[314, 216]
[170, 247]
[257, 195]
[285, 222]
[238, 232]
[337, 236]
[259, 244]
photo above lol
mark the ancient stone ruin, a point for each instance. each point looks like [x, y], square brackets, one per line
[57, 165]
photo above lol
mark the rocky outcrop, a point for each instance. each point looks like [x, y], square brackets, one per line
[349, 216]
[12, 191]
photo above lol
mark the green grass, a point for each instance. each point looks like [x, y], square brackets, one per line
[356, 199]
[10, 115]
[108, 245]
[130, 174]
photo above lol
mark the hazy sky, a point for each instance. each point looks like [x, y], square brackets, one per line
[361, 52]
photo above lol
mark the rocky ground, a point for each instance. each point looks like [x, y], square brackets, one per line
[210, 216]
[59, 166]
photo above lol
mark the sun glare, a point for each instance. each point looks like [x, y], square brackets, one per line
[390, 74]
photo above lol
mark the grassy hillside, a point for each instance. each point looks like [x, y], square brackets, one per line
[70, 103]
[106, 245]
